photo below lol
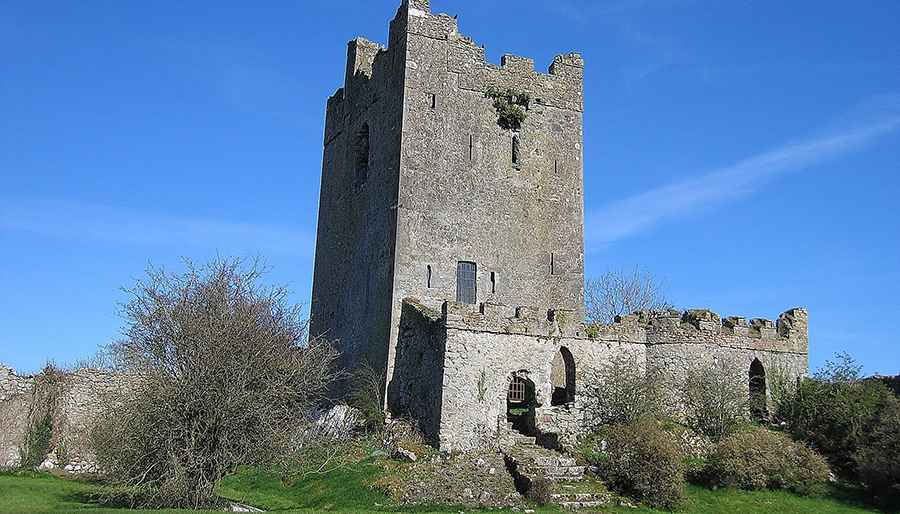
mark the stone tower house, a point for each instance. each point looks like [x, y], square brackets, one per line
[428, 194]
[450, 249]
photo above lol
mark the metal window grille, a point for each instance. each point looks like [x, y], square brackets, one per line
[465, 282]
[516, 392]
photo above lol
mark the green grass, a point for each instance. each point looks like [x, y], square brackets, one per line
[39, 493]
[701, 500]
[346, 490]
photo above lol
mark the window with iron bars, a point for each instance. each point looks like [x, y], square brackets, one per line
[516, 392]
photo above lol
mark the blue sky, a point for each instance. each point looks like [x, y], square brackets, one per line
[746, 152]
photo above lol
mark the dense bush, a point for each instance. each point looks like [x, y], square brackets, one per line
[540, 491]
[878, 459]
[641, 461]
[835, 413]
[757, 458]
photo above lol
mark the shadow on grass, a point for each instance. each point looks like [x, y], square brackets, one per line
[857, 496]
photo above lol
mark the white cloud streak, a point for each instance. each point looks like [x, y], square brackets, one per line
[93, 222]
[630, 216]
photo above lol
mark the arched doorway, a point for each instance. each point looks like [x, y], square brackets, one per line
[520, 404]
[562, 377]
[758, 409]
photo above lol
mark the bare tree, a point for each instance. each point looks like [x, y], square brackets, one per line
[223, 376]
[618, 292]
[715, 398]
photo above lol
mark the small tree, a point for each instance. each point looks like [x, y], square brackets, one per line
[715, 402]
[618, 292]
[624, 391]
[223, 376]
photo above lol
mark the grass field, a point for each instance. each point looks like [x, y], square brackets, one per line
[344, 490]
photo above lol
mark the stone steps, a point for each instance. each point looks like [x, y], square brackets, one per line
[570, 488]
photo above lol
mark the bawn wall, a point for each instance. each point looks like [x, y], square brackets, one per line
[483, 349]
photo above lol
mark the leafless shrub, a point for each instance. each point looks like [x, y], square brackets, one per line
[223, 377]
[624, 391]
[715, 403]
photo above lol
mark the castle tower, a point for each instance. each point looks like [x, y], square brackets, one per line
[445, 178]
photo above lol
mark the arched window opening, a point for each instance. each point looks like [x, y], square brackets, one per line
[361, 173]
[758, 408]
[562, 377]
[520, 405]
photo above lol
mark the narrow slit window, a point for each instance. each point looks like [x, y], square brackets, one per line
[552, 264]
[470, 148]
[493, 283]
[555, 166]
[465, 282]
[428, 276]
[433, 100]
[362, 154]
[515, 151]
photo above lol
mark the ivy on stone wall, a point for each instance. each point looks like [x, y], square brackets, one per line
[510, 105]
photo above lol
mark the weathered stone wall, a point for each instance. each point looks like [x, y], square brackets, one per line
[415, 390]
[436, 184]
[16, 393]
[484, 349]
[72, 399]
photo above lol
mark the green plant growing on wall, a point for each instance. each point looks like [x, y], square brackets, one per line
[510, 105]
[561, 319]
[482, 378]
[37, 442]
[62, 454]
[592, 331]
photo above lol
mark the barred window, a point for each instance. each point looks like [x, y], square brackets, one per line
[465, 282]
[516, 392]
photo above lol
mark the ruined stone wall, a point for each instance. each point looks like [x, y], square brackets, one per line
[72, 399]
[16, 394]
[415, 390]
[484, 349]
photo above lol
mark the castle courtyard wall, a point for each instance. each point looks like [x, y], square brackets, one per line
[484, 348]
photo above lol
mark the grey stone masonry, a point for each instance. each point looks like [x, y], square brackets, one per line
[420, 174]
[472, 358]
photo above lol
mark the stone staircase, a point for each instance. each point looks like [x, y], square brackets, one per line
[570, 488]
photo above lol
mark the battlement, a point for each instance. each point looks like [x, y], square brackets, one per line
[789, 333]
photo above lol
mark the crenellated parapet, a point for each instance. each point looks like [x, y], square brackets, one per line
[790, 333]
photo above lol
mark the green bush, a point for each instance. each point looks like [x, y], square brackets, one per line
[879, 458]
[37, 442]
[641, 461]
[835, 413]
[757, 458]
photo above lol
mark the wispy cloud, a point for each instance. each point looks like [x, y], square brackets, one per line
[624, 218]
[93, 222]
